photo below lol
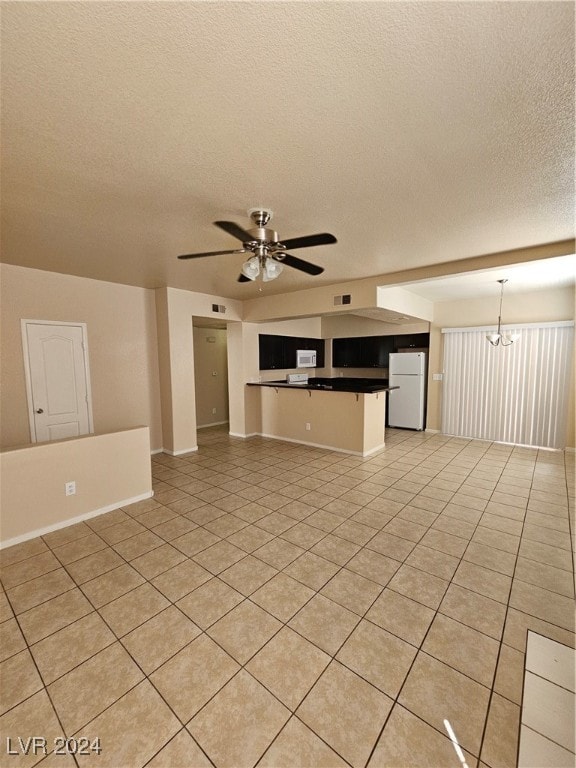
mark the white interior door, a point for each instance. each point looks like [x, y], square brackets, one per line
[57, 379]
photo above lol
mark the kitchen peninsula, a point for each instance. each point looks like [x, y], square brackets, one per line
[342, 414]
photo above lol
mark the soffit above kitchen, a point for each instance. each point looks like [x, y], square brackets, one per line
[417, 133]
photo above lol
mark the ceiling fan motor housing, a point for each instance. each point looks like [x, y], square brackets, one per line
[264, 236]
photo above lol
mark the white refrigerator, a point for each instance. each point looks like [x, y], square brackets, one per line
[407, 370]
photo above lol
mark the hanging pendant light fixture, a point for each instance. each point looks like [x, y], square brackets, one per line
[505, 339]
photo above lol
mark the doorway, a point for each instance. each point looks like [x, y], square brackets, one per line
[210, 374]
[57, 379]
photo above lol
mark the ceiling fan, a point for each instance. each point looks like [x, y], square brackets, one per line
[268, 254]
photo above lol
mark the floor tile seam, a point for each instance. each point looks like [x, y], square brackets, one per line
[554, 499]
[462, 559]
[342, 568]
[276, 696]
[558, 520]
[69, 562]
[185, 730]
[544, 736]
[543, 529]
[43, 602]
[44, 686]
[508, 606]
[541, 618]
[27, 557]
[553, 591]
[548, 563]
[333, 747]
[397, 702]
[28, 644]
[551, 682]
[296, 717]
[27, 581]
[119, 639]
[114, 640]
[315, 644]
[115, 568]
[51, 548]
[500, 642]
[241, 668]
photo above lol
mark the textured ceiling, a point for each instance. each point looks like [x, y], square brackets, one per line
[417, 133]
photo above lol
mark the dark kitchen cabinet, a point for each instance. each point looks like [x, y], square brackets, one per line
[347, 353]
[412, 340]
[280, 351]
[271, 352]
[362, 351]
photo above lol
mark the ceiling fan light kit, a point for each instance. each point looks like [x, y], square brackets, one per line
[269, 255]
[499, 338]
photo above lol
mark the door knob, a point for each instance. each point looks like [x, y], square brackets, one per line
[40, 410]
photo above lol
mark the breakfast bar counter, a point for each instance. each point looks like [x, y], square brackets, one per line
[340, 414]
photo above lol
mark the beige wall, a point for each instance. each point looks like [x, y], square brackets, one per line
[364, 293]
[175, 312]
[536, 306]
[211, 375]
[242, 367]
[344, 326]
[310, 302]
[121, 328]
[109, 471]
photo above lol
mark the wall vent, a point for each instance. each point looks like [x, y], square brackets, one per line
[219, 308]
[346, 298]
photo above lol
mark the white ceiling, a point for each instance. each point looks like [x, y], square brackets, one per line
[521, 278]
[417, 133]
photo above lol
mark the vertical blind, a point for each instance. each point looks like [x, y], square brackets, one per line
[514, 394]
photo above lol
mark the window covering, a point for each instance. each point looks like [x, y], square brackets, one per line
[513, 394]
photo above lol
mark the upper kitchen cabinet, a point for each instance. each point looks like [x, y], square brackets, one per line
[272, 354]
[347, 353]
[373, 351]
[412, 341]
[362, 351]
[280, 351]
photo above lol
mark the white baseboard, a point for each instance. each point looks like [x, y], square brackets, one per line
[212, 424]
[179, 453]
[322, 445]
[374, 450]
[74, 520]
[244, 436]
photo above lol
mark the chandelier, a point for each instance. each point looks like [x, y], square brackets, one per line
[505, 339]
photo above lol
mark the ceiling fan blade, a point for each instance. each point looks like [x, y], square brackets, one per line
[235, 230]
[309, 240]
[303, 266]
[243, 279]
[209, 253]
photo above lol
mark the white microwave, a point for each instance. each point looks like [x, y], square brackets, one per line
[305, 358]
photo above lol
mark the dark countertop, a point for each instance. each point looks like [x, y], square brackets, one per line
[339, 384]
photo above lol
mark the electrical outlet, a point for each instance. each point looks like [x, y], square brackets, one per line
[308, 425]
[213, 410]
[70, 488]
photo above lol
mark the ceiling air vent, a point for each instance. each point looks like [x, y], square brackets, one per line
[346, 298]
[219, 308]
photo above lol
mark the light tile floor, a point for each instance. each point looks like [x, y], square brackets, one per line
[290, 607]
[548, 716]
